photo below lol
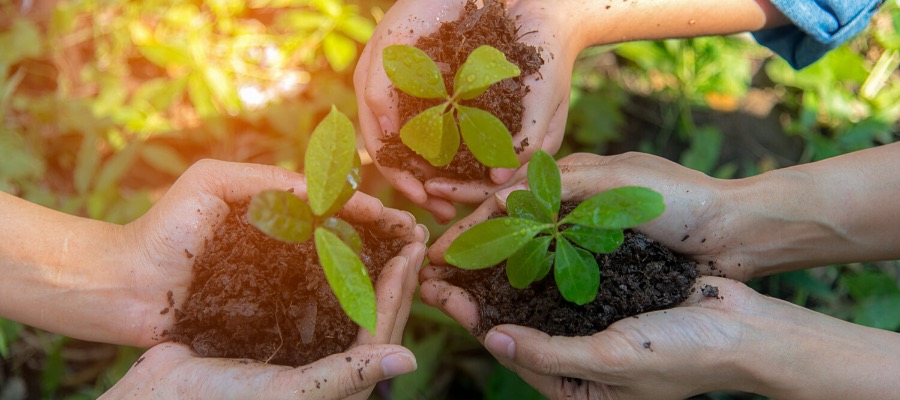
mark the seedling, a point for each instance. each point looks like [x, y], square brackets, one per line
[332, 176]
[434, 133]
[523, 238]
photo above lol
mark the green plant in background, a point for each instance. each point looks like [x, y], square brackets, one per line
[525, 236]
[332, 176]
[434, 133]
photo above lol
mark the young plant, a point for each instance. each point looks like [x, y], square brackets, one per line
[332, 176]
[523, 238]
[434, 134]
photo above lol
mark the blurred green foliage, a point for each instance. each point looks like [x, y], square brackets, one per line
[104, 102]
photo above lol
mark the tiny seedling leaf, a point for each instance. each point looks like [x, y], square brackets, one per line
[523, 204]
[524, 266]
[345, 232]
[413, 72]
[576, 272]
[348, 277]
[487, 138]
[484, 67]
[281, 215]
[329, 160]
[490, 242]
[545, 181]
[424, 134]
[618, 208]
[596, 240]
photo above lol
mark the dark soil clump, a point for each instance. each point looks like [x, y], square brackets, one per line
[640, 276]
[256, 297]
[449, 47]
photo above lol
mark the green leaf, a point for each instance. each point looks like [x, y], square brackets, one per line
[339, 51]
[545, 181]
[487, 137]
[301, 20]
[492, 241]
[545, 268]
[576, 272]
[345, 232]
[523, 204]
[22, 40]
[449, 141]
[358, 28]
[348, 278]
[200, 96]
[281, 215]
[164, 158]
[425, 130]
[353, 180]
[221, 87]
[618, 208]
[600, 241]
[329, 159]
[117, 166]
[880, 312]
[413, 72]
[484, 67]
[524, 266]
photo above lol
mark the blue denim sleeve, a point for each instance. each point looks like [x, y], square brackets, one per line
[818, 27]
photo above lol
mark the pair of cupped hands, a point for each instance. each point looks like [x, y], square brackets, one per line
[613, 363]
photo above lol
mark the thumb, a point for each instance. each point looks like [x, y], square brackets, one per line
[535, 351]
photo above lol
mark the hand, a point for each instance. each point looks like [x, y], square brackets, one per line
[165, 240]
[161, 371]
[693, 223]
[546, 104]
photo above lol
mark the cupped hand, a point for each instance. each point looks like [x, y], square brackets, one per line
[162, 243]
[170, 371]
[548, 28]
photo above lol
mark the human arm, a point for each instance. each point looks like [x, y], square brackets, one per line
[104, 282]
[740, 341]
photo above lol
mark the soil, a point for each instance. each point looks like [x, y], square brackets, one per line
[640, 276]
[474, 28]
[252, 296]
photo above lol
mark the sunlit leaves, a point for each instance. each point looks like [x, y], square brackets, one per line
[345, 232]
[487, 138]
[423, 132]
[339, 51]
[348, 278]
[281, 215]
[413, 72]
[329, 160]
[490, 242]
[483, 68]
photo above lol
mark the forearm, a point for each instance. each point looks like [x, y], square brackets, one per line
[819, 357]
[59, 272]
[839, 210]
[605, 22]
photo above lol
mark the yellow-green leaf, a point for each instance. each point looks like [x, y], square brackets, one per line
[339, 51]
[281, 215]
[619, 208]
[484, 67]
[492, 241]
[348, 278]
[412, 71]
[424, 134]
[487, 137]
[329, 160]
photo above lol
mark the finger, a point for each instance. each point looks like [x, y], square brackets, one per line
[453, 301]
[469, 192]
[437, 272]
[720, 293]
[416, 254]
[234, 182]
[388, 298]
[482, 213]
[546, 355]
[443, 210]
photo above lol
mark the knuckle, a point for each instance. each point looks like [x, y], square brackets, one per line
[545, 362]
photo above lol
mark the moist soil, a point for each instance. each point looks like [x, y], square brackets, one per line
[450, 46]
[257, 297]
[640, 276]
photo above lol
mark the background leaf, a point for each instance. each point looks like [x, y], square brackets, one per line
[618, 208]
[484, 67]
[339, 51]
[413, 72]
[281, 215]
[487, 138]
[349, 279]
[576, 272]
[329, 159]
[492, 241]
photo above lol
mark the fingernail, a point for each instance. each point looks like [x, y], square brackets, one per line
[398, 364]
[427, 232]
[499, 343]
[440, 189]
[501, 175]
[387, 126]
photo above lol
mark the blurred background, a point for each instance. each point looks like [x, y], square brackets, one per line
[103, 103]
